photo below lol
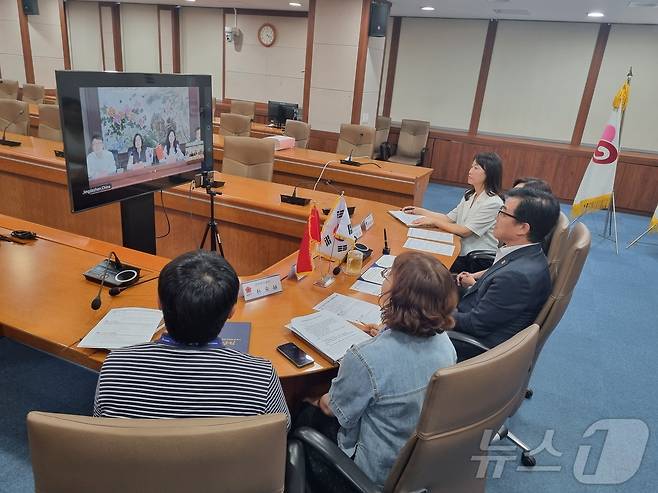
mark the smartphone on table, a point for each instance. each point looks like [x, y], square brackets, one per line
[294, 353]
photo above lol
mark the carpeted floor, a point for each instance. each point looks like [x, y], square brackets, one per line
[598, 365]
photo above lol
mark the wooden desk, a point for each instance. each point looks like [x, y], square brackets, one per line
[251, 216]
[259, 130]
[391, 183]
[47, 303]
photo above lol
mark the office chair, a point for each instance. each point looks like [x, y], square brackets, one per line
[106, 455]
[298, 130]
[232, 124]
[355, 140]
[558, 239]
[382, 128]
[462, 402]
[248, 156]
[10, 110]
[8, 89]
[246, 108]
[575, 251]
[412, 143]
[49, 122]
[33, 93]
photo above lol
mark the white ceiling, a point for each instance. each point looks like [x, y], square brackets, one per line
[616, 11]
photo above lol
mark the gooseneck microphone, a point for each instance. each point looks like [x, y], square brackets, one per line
[96, 302]
[4, 141]
[115, 291]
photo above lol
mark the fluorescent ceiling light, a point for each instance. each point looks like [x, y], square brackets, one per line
[295, 4]
[427, 8]
[595, 14]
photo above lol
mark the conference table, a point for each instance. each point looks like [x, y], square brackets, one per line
[46, 303]
[257, 129]
[382, 181]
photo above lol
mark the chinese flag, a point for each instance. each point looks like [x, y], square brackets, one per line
[309, 240]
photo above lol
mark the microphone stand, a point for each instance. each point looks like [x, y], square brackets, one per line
[10, 143]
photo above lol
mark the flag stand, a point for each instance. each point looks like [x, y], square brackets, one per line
[328, 279]
[611, 222]
[641, 236]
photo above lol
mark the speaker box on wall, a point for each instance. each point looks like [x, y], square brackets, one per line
[31, 7]
[379, 12]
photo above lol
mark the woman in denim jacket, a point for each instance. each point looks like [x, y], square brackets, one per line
[378, 393]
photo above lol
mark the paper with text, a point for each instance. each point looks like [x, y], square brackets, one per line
[429, 246]
[121, 327]
[330, 334]
[374, 275]
[428, 234]
[351, 309]
[405, 218]
[385, 261]
[366, 287]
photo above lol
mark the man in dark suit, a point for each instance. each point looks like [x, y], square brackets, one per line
[508, 296]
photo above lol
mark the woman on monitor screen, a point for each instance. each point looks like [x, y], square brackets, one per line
[138, 154]
[100, 162]
[172, 150]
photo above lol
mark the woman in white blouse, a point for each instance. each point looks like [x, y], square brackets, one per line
[474, 218]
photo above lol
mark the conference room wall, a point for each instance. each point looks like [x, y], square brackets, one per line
[166, 42]
[107, 37]
[374, 62]
[46, 41]
[385, 56]
[628, 45]
[536, 80]
[12, 65]
[335, 48]
[202, 32]
[257, 73]
[139, 38]
[84, 36]
[433, 80]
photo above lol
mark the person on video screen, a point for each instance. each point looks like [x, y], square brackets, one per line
[172, 150]
[100, 162]
[138, 155]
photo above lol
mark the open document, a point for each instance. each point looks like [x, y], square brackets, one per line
[328, 333]
[404, 218]
[429, 234]
[122, 327]
[351, 309]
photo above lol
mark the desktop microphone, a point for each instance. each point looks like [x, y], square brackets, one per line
[386, 250]
[349, 160]
[10, 143]
[96, 302]
[115, 291]
[293, 199]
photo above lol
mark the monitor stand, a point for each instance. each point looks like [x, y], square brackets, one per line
[138, 223]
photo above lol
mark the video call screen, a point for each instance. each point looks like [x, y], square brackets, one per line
[130, 134]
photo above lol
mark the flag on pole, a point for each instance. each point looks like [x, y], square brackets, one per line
[653, 224]
[310, 239]
[597, 185]
[336, 237]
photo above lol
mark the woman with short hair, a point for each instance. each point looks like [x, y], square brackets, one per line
[379, 391]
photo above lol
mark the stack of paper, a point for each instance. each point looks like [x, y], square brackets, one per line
[405, 218]
[430, 241]
[351, 309]
[328, 333]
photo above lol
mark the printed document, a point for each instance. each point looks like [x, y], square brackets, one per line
[405, 218]
[122, 327]
[351, 309]
[429, 246]
[428, 234]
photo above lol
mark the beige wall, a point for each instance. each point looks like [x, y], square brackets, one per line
[46, 41]
[202, 32]
[257, 73]
[437, 70]
[12, 65]
[374, 62]
[84, 35]
[634, 46]
[139, 38]
[335, 47]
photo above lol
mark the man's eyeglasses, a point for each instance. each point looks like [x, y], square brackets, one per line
[505, 213]
[385, 272]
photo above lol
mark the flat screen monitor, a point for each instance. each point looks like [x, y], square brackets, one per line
[278, 112]
[130, 134]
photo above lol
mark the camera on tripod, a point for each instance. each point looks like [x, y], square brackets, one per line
[206, 179]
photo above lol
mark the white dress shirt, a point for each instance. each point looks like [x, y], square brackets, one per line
[504, 251]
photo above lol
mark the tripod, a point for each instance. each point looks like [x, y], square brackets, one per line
[211, 227]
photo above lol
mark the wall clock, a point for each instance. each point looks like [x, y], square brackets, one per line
[267, 35]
